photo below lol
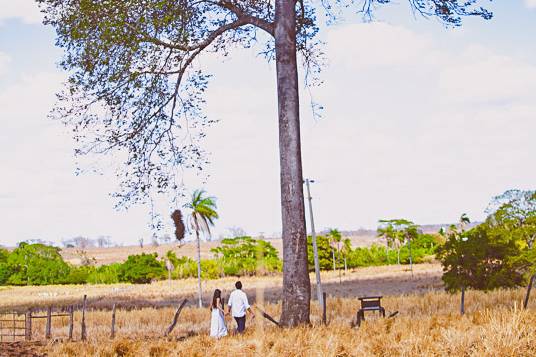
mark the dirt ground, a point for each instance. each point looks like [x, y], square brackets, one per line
[21, 349]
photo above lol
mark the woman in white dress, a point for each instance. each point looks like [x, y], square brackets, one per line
[217, 321]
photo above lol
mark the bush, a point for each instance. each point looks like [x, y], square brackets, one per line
[105, 274]
[247, 256]
[324, 253]
[78, 275]
[481, 259]
[4, 269]
[141, 269]
[36, 264]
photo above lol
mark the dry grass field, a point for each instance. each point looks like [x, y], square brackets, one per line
[427, 325]
[428, 322]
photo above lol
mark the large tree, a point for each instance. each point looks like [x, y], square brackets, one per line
[132, 87]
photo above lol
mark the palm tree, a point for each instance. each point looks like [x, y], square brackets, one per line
[345, 250]
[334, 238]
[201, 218]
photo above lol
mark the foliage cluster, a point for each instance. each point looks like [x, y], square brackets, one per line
[423, 246]
[38, 264]
[497, 253]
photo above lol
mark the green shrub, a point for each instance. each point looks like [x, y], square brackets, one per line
[5, 272]
[36, 264]
[78, 275]
[247, 256]
[105, 274]
[482, 258]
[142, 269]
[324, 253]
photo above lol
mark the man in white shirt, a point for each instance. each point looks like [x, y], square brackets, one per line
[238, 305]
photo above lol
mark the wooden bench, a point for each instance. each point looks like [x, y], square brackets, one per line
[369, 303]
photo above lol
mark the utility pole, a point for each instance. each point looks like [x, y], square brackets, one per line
[319, 295]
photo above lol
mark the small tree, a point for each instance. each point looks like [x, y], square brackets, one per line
[480, 258]
[335, 238]
[346, 249]
[513, 213]
[201, 218]
[397, 232]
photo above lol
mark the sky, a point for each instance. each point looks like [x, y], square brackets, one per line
[419, 121]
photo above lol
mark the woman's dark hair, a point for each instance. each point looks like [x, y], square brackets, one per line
[217, 295]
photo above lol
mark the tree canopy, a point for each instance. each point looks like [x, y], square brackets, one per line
[133, 87]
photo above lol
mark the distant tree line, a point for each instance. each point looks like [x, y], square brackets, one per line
[39, 264]
[500, 252]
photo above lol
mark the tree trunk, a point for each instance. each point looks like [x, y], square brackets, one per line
[410, 258]
[462, 302]
[296, 285]
[398, 256]
[529, 288]
[199, 291]
[333, 255]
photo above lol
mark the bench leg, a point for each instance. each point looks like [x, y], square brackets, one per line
[382, 311]
[360, 317]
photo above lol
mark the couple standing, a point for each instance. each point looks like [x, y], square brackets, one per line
[238, 305]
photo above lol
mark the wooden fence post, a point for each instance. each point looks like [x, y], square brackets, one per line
[48, 332]
[175, 318]
[112, 332]
[83, 332]
[462, 303]
[71, 322]
[324, 314]
[28, 327]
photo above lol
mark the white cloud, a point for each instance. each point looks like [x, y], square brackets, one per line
[25, 10]
[479, 75]
[531, 4]
[377, 44]
[4, 62]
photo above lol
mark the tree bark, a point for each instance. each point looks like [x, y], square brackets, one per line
[296, 284]
[529, 288]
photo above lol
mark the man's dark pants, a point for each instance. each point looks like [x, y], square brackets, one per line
[241, 324]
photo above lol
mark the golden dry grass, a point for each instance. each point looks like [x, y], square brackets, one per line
[427, 325]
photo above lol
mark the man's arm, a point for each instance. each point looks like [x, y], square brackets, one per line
[248, 307]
